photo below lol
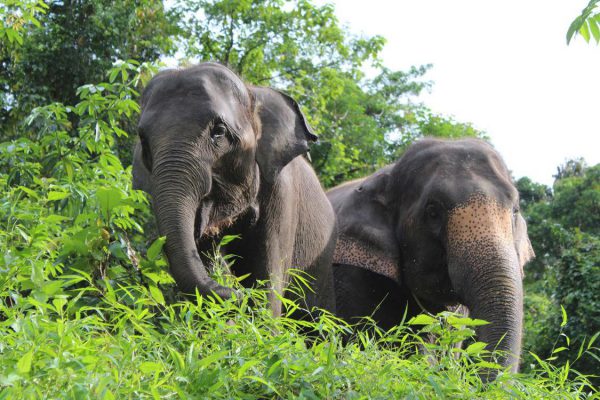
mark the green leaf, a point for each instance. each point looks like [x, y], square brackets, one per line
[558, 350]
[206, 361]
[59, 303]
[156, 294]
[154, 277]
[422, 319]
[178, 358]
[155, 248]
[487, 364]
[108, 199]
[116, 249]
[24, 363]
[30, 192]
[584, 32]
[464, 321]
[228, 239]
[9, 380]
[593, 339]
[247, 365]
[476, 348]
[149, 366]
[593, 26]
[564, 316]
[52, 196]
[113, 75]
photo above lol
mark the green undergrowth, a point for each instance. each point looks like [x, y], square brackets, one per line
[129, 345]
[88, 310]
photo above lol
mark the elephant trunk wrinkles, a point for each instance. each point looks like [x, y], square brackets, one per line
[494, 293]
[180, 187]
[485, 272]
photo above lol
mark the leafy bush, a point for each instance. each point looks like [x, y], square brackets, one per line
[563, 228]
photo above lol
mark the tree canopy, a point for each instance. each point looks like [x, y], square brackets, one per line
[70, 44]
[564, 228]
[364, 120]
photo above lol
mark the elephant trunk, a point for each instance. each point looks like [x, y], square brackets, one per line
[180, 206]
[485, 272]
[493, 292]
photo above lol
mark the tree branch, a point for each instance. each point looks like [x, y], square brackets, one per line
[230, 46]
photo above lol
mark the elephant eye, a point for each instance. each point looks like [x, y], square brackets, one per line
[218, 131]
[432, 211]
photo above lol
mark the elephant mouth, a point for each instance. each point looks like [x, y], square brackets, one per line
[224, 206]
[215, 228]
[218, 225]
[448, 297]
[436, 289]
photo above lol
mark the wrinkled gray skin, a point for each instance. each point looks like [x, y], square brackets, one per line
[220, 157]
[438, 228]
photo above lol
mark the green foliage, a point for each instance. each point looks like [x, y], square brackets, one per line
[531, 192]
[578, 291]
[128, 345]
[587, 24]
[576, 201]
[71, 43]
[66, 200]
[18, 15]
[363, 123]
[564, 231]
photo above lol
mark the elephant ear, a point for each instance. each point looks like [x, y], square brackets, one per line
[285, 132]
[522, 244]
[366, 229]
[142, 178]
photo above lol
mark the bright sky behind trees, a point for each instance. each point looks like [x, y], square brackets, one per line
[502, 65]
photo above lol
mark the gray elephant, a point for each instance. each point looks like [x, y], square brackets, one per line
[440, 227]
[222, 157]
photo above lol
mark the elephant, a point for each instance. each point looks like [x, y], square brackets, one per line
[221, 157]
[439, 228]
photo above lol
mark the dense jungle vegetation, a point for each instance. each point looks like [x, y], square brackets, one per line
[87, 308]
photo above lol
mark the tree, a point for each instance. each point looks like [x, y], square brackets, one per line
[75, 43]
[363, 122]
[576, 203]
[531, 192]
[564, 229]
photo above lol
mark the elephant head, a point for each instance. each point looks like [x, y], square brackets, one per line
[203, 155]
[446, 214]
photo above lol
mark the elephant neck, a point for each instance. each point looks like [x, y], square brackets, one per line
[350, 251]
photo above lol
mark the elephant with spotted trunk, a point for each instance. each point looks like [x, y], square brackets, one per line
[440, 227]
[222, 157]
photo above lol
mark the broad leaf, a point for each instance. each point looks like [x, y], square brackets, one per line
[154, 249]
[108, 199]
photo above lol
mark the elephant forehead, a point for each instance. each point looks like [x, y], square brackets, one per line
[199, 97]
[480, 218]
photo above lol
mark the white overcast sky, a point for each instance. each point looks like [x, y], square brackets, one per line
[503, 66]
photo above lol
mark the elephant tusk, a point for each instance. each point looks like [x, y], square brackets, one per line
[421, 306]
